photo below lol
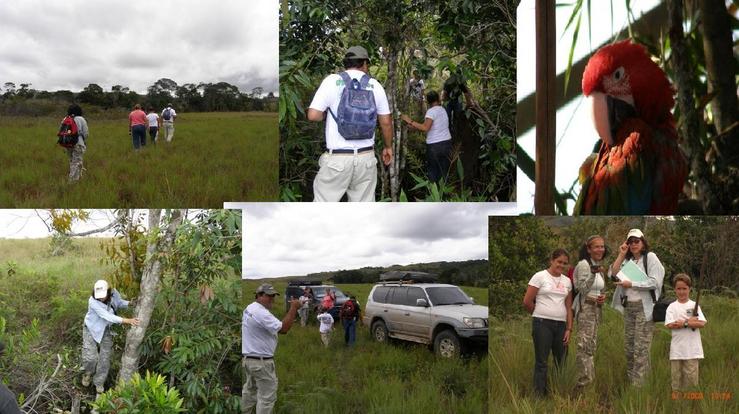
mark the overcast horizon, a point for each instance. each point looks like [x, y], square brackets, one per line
[136, 44]
[295, 239]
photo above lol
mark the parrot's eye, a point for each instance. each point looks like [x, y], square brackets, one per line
[618, 74]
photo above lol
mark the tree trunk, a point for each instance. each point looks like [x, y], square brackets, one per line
[721, 69]
[392, 90]
[690, 130]
[148, 289]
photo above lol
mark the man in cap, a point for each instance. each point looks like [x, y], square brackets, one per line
[349, 165]
[259, 329]
[168, 117]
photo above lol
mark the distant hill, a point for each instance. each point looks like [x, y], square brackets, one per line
[468, 273]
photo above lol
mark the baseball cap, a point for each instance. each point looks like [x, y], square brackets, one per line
[267, 288]
[101, 289]
[635, 233]
[356, 52]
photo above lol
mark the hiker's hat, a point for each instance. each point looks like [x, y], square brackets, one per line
[635, 233]
[267, 289]
[101, 289]
[356, 52]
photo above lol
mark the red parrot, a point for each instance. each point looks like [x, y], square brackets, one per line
[639, 168]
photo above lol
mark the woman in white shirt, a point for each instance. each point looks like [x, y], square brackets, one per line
[590, 284]
[548, 298]
[438, 137]
[635, 300]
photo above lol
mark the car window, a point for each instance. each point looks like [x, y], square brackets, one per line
[413, 294]
[380, 294]
[447, 295]
[399, 296]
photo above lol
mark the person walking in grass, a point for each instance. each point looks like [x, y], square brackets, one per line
[168, 117]
[686, 349]
[549, 300]
[327, 325]
[349, 315]
[438, 137]
[259, 329]
[97, 340]
[355, 102]
[76, 152]
[154, 125]
[635, 300]
[137, 123]
[588, 306]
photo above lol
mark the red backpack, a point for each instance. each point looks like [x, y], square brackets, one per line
[68, 133]
[348, 310]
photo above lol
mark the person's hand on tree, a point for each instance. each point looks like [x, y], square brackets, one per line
[387, 155]
[406, 118]
[132, 321]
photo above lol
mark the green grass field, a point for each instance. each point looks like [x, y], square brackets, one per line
[371, 378]
[511, 369]
[214, 157]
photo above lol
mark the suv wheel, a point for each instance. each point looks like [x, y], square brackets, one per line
[379, 331]
[447, 344]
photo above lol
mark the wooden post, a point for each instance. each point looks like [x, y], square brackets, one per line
[545, 107]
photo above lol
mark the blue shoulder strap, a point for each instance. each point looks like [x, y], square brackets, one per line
[364, 81]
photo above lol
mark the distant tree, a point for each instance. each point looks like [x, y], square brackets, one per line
[92, 94]
[161, 92]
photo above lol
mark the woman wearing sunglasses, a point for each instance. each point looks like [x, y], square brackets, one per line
[635, 300]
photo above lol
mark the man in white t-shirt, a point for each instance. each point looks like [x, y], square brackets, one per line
[349, 166]
[168, 117]
[259, 329]
[686, 349]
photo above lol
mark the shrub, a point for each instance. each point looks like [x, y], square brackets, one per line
[147, 395]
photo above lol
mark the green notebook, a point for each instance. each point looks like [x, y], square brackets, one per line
[630, 271]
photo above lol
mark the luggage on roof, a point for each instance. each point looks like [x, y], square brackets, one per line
[406, 276]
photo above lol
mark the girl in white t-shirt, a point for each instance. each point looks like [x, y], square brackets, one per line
[438, 137]
[549, 300]
[686, 348]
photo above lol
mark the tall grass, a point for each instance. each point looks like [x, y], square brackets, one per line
[370, 378]
[512, 364]
[214, 157]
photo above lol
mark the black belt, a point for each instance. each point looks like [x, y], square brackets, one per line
[350, 151]
[256, 357]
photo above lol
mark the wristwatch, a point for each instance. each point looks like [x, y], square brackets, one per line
[685, 324]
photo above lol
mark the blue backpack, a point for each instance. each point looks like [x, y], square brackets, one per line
[167, 115]
[357, 114]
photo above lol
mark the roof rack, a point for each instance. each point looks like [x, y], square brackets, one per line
[403, 276]
[304, 283]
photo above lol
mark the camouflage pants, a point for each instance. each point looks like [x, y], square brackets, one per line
[259, 392]
[75, 160]
[303, 312]
[96, 357]
[638, 340]
[588, 320]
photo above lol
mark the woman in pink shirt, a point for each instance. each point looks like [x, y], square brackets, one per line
[137, 123]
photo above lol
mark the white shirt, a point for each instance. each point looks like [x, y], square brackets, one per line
[686, 343]
[173, 114]
[153, 118]
[440, 127]
[327, 321]
[328, 95]
[550, 299]
[304, 302]
[259, 330]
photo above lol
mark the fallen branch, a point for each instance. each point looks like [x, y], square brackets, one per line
[41, 389]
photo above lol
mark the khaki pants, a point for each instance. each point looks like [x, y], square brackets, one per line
[96, 357]
[259, 393]
[684, 373]
[638, 340]
[325, 338]
[168, 127]
[355, 175]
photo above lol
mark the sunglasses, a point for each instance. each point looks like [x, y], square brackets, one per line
[633, 241]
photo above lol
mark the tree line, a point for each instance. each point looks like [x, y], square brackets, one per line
[22, 99]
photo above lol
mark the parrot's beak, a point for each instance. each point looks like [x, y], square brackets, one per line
[609, 113]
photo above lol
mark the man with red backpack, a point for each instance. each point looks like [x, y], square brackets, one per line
[72, 136]
[349, 315]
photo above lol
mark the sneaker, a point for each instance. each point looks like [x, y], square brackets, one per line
[86, 380]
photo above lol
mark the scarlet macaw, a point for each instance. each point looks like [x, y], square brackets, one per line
[639, 168]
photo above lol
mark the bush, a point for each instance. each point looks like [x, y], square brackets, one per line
[149, 395]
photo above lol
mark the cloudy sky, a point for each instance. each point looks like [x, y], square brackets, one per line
[286, 239]
[69, 44]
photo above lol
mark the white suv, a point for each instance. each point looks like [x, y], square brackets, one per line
[429, 313]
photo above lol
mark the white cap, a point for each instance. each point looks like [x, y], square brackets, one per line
[101, 289]
[635, 233]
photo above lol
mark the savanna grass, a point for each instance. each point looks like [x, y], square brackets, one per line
[214, 157]
[373, 378]
[512, 364]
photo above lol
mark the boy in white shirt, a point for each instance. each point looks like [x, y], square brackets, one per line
[327, 324]
[686, 348]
